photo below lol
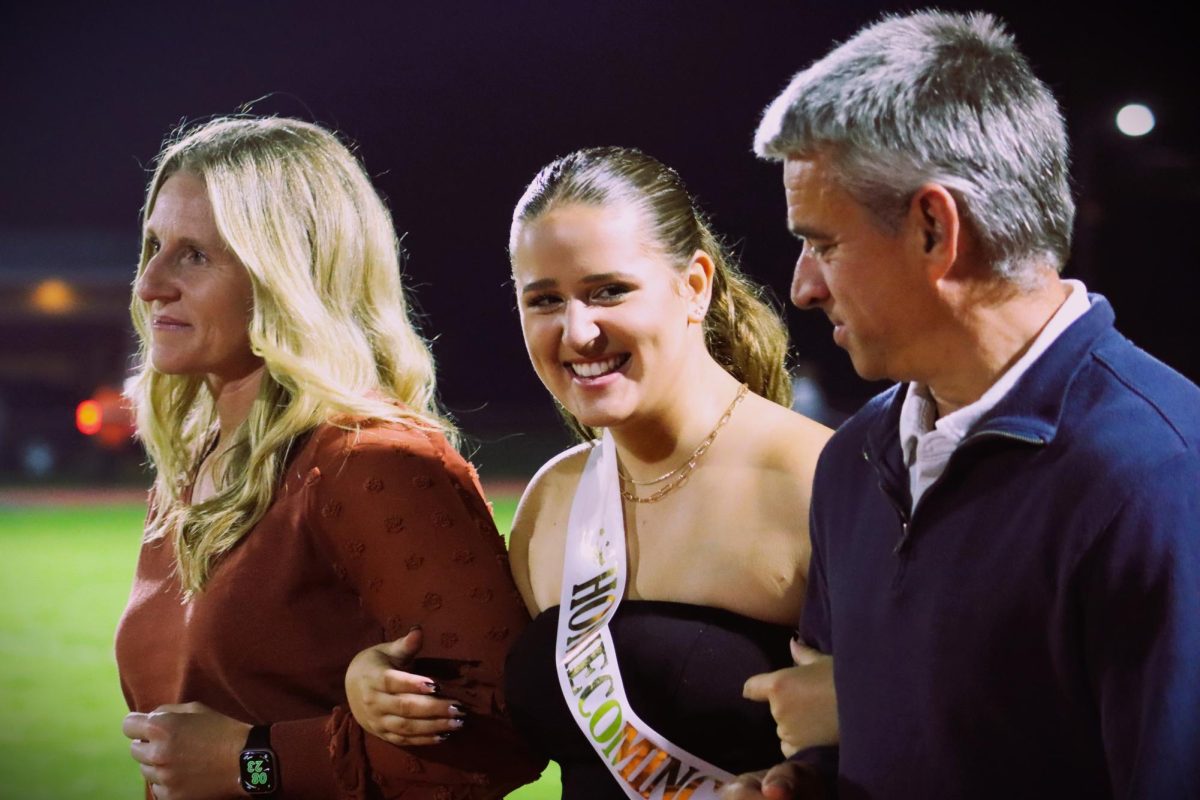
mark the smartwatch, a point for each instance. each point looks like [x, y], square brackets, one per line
[258, 764]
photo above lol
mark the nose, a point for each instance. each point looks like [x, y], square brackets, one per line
[808, 284]
[580, 329]
[153, 283]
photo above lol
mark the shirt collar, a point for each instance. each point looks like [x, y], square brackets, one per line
[918, 414]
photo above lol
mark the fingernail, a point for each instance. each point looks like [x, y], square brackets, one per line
[413, 628]
[457, 710]
[796, 635]
[441, 737]
[432, 687]
[457, 723]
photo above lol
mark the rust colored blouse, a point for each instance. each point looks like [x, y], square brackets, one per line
[370, 533]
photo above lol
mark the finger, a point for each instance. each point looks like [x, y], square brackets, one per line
[417, 707]
[403, 650]
[145, 753]
[399, 682]
[405, 726]
[743, 787]
[137, 726]
[758, 687]
[803, 655]
[780, 782]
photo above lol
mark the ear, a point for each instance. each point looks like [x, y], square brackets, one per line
[934, 223]
[697, 285]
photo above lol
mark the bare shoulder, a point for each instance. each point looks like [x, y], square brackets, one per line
[539, 527]
[782, 438]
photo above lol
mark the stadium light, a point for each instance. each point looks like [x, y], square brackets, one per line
[1135, 119]
[88, 417]
[54, 296]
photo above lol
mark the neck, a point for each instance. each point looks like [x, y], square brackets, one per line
[233, 400]
[995, 326]
[665, 437]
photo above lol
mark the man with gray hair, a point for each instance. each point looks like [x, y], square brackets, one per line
[1006, 544]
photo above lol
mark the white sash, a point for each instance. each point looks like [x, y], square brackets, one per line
[643, 762]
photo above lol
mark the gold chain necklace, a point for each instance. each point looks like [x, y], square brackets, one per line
[681, 473]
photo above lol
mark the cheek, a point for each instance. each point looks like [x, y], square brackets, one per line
[540, 342]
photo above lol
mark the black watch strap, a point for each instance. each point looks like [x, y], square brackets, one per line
[259, 738]
[258, 765]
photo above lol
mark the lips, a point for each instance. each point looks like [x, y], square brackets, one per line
[161, 321]
[597, 368]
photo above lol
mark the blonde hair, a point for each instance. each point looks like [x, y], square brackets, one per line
[330, 322]
[742, 331]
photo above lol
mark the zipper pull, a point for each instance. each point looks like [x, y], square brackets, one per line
[903, 538]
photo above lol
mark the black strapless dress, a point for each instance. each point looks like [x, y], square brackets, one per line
[683, 667]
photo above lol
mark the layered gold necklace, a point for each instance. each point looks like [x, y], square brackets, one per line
[679, 476]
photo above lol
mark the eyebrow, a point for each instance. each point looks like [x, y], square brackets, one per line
[187, 241]
[550, 283]
[804, 232]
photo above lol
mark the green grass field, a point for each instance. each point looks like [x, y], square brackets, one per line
[64, 578]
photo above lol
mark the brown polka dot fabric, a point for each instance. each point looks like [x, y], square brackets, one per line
[374, 531]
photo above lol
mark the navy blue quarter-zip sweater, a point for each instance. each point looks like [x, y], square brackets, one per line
[1032, 629]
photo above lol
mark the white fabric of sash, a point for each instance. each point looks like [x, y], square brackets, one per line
[643, 762]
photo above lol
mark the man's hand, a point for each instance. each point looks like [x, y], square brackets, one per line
[786, 781]
[187, 751]
[802, 700]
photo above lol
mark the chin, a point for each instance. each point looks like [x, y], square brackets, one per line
[594, 417]
[168, 367]
[869, 369]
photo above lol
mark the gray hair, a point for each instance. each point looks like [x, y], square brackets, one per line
[938, 98]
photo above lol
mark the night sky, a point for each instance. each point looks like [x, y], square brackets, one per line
[454, 107]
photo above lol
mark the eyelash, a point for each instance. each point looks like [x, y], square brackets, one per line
[192, 254]
[816, 250]
[609, 293]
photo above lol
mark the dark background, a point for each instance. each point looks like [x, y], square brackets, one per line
[454, 107]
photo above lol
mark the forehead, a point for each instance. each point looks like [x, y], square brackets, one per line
[808, 180]
[182, 201]
[816, 201]
[578, 236]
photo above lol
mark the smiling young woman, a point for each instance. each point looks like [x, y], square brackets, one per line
[676, 534]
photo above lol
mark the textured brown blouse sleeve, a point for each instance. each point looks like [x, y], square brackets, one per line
[402, 518]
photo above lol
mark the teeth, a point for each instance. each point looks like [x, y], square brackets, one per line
[594, 369]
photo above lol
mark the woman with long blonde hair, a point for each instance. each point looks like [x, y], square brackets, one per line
[307, 502]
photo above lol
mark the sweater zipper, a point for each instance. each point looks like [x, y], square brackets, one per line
[907, 519]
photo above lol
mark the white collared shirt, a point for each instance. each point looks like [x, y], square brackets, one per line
[927, 441]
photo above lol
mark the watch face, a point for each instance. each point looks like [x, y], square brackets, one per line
[258, 771]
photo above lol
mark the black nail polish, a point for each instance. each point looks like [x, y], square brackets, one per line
[458, 710]
[432, 687]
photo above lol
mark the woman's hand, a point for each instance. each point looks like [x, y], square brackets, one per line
[397, 706]
[188, 751]
[802, 700]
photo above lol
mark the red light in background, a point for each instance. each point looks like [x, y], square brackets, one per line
[88, 417]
